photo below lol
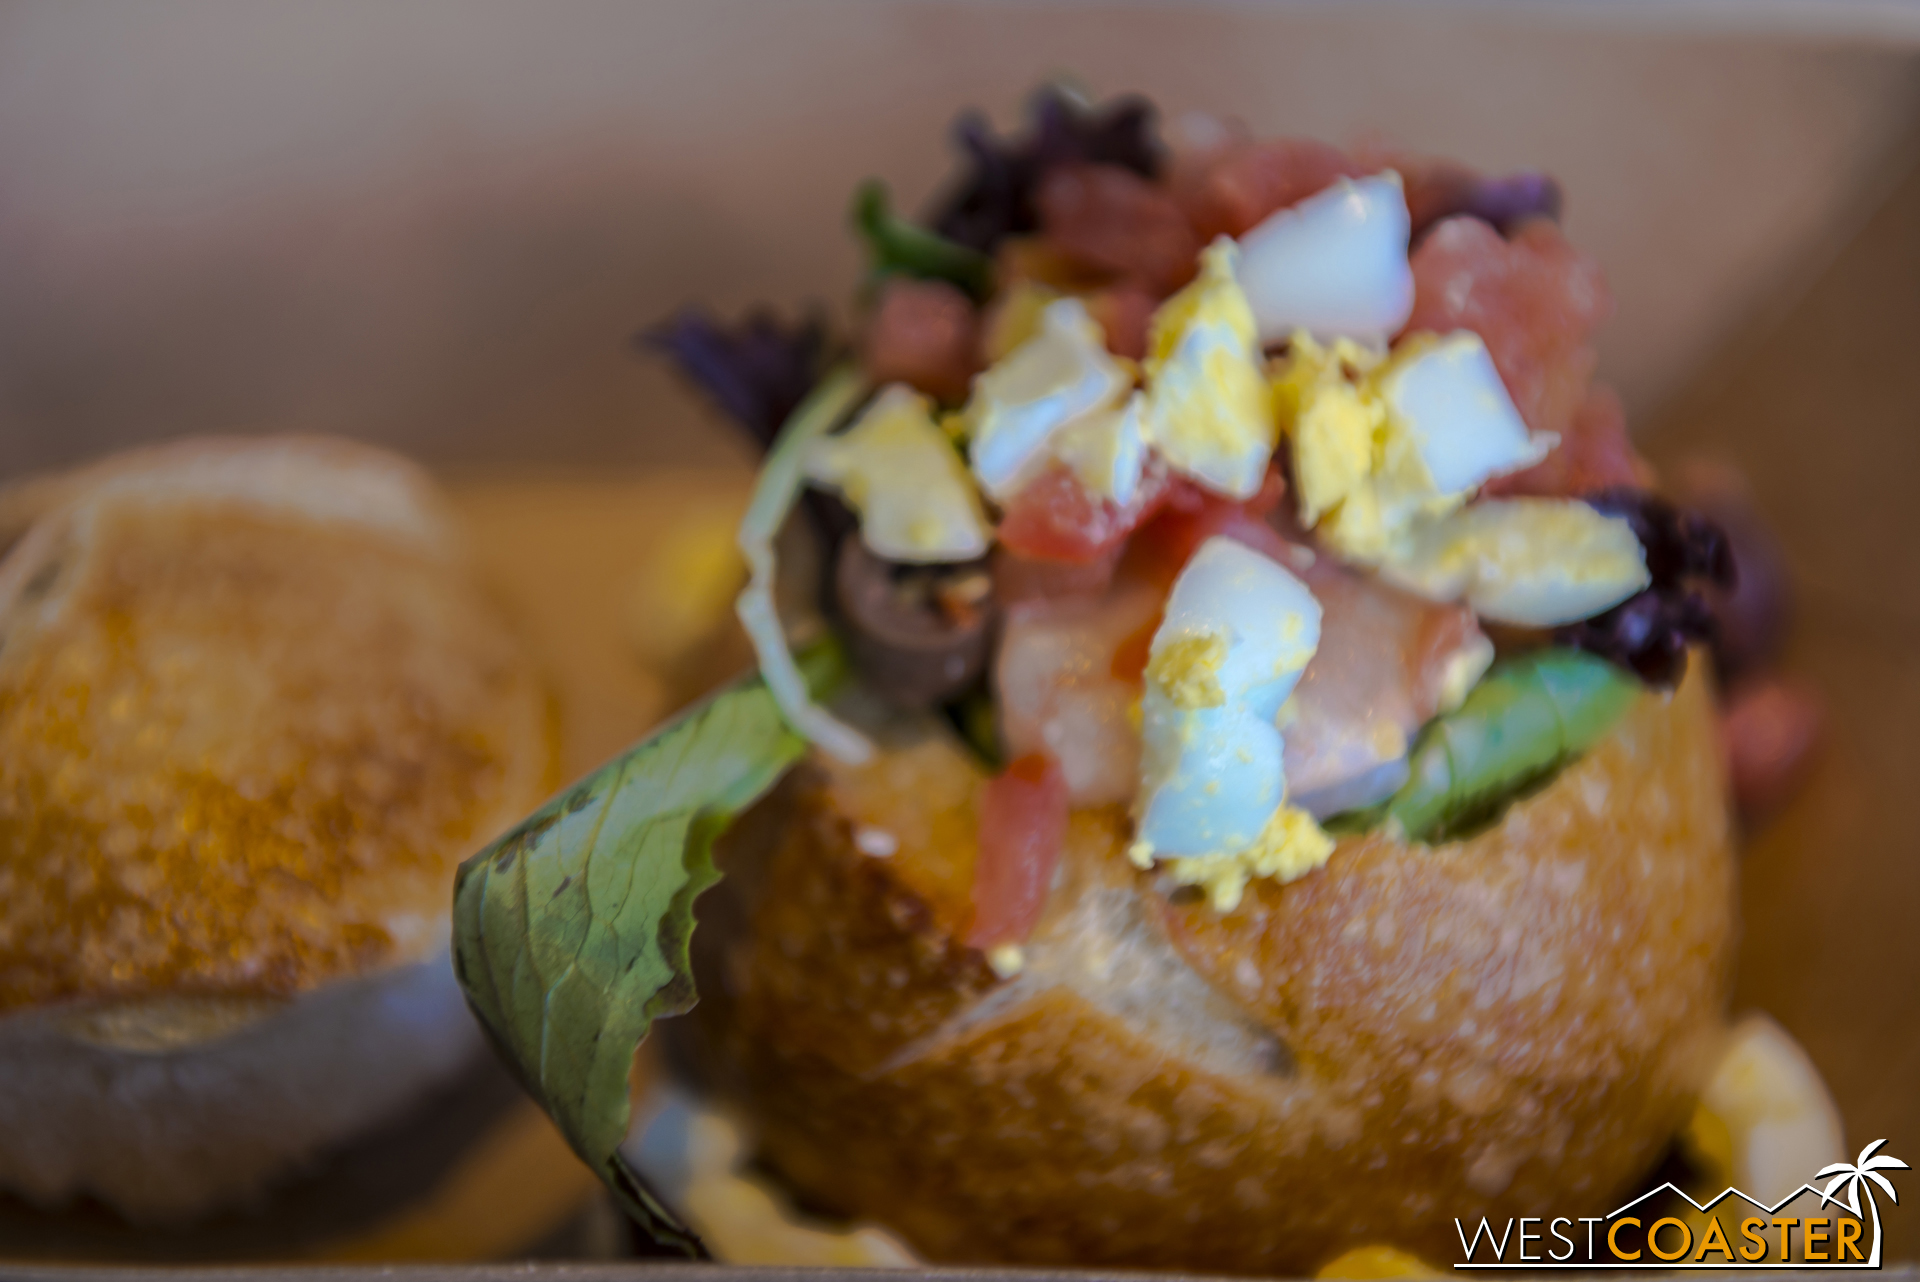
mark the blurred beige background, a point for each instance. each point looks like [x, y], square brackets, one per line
[437, 222]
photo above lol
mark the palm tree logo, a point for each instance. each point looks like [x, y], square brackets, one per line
[1855, 1176]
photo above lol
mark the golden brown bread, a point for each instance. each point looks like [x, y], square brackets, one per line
[254, 709]
[1506, 1025]
[244, 740]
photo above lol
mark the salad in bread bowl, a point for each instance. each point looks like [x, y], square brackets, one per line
[1244, 784]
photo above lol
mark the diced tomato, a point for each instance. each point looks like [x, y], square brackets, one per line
[1247, 181]
[1595, 453]
[1023, 824]
[1535, 300]
[922, 333]
[1053, 518]
[1124, 313]
[1188, 515]
[1112, 220]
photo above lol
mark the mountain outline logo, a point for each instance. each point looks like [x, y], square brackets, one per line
[1846, 1182]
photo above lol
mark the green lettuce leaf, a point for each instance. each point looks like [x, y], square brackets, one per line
[571, 932]
[1526, 719]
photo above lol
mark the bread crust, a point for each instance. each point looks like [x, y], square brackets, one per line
[1508, 1025]
[253, 711]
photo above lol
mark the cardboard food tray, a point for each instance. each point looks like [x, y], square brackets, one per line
[438, 231]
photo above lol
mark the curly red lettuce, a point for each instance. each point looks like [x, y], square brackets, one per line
[757, 370]
[997, 195]
[1503, 200]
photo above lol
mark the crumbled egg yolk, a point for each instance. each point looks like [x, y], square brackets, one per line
[1337, 430]
[1007, 960]
[1532, 562]
[899, 471]
[1288, 848]
[1188, 670]
[1384, 444]
[1209, 409]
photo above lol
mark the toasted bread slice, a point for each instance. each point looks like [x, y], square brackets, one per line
[254, 710]
[1513, 1024]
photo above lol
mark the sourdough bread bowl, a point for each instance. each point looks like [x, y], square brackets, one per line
[254, 709]
[1516, 1023]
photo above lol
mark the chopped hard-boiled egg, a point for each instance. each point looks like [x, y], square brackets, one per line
[1014, 318]
[1334, 265]
[1381, 446]
[1059, 374]
[1107, 449]
[1336, 424]
[898, 470]
[1533, 562]
[1209, 410]
[1764, 1118]
[1447, 396]
[1237, 632]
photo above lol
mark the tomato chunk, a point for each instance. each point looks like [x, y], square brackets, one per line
[1595, 453]
[1124, 313]
[1535, 299]
[1188, 514]
[1023, 824]
[1054, 518]
[1111, 219]
[922, 333]
[1246, 182]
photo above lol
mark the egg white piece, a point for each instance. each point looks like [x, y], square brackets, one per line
[898, 470]
[1058, 375]
[1334, 265]
[1450, 401]
[1209, 409]
[1535, 563]
[1107, 449]
[1237, 632]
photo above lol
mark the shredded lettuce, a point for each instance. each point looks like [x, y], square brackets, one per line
[774, 494]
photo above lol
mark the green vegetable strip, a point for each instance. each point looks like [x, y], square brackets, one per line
[570, 933]
[1528, 716]
[903, 248]
[775, 492]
